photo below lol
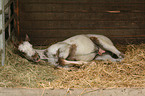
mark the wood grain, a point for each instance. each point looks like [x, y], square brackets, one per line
[48, 21]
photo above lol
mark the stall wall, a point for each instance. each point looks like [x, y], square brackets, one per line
[48, 21]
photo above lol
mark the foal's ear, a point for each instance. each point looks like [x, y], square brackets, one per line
[27, 38]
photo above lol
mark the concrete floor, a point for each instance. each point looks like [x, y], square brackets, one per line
[72, 92]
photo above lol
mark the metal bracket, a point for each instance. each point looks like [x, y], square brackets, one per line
[1, 51]
[2, 31]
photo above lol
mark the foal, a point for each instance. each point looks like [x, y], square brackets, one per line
[78, 49]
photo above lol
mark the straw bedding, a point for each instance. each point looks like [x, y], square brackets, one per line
[19, 72]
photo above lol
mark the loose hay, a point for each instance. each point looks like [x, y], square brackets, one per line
[18, 72]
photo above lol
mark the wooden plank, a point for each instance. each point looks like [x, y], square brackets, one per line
[49, 41]
[81, 24]
[72, 92]
[82, 16]
[8, 4]
[44, 37]
[9, 21]
[81, 7]
[55, 20]
[69, 33]
[82, 1]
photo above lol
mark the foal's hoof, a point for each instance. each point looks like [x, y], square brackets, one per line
[121, 55]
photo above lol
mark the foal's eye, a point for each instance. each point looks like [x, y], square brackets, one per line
[23, 53]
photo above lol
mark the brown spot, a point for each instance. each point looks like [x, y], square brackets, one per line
[45, 53]
[57, 53]
[72, 52]
[35, 55]
[95, 40]
[61, 62]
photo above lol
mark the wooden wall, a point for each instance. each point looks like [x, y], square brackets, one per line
[48, 21]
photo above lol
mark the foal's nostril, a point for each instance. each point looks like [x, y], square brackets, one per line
[37, 59]
[34, 59]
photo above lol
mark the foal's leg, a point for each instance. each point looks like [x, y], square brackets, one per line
[105, 57]
[64, 62]
[72, 52]
[106, 44]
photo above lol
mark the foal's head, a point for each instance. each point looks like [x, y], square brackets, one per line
[27, 50]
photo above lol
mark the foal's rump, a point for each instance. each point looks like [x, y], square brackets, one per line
[105, 43]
